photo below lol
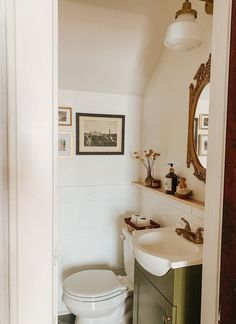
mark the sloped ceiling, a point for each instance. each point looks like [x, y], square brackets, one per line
[111, 46]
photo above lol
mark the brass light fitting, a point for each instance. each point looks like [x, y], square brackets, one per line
[186, 9]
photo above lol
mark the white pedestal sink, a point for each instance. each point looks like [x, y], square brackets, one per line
[160, 250]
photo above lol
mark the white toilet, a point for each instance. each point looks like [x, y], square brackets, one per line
[99, 296]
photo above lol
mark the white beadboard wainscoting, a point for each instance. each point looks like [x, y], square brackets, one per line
[168, 212]
[89, 227]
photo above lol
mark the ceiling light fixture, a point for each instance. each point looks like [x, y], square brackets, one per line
[184, 33]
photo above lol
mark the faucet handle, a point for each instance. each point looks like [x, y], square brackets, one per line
[199, 237]
[187, 226]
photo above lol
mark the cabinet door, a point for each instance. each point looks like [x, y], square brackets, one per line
[150, 306]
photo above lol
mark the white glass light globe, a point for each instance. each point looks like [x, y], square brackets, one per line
[183, 34]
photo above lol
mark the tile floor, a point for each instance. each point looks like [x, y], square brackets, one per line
[66, 319]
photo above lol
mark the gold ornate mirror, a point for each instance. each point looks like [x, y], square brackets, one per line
[198, 121]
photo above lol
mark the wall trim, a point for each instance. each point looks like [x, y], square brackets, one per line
[215, 167]
[12, 158]
[4, 219]
[55, 159]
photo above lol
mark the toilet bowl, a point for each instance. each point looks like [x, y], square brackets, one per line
[96, 296]
[99, 296]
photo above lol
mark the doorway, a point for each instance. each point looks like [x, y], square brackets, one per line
[38, 215]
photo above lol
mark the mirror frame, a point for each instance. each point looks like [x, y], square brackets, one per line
[202, 78]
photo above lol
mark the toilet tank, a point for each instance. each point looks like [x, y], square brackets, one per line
[128, 254]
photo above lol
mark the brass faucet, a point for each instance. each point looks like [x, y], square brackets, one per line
[188, 234]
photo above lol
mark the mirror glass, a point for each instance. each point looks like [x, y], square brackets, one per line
[201, 119]
[198, 120]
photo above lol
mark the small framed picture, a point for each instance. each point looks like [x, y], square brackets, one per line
[65, 145]
[64, 116]
[202, 144]
[100, 134]
[203, 121]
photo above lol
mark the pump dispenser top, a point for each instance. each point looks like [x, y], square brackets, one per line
[171, 167]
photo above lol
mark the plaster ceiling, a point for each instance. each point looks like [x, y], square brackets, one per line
[111, 46]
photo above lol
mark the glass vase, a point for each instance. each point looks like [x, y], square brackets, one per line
[149, 178]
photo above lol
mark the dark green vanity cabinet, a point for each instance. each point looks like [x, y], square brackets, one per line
[174, 298]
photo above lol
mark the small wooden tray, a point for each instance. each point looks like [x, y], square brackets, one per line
[186, 196]
[132, 227]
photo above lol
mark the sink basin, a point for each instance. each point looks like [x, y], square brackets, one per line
[160, 250]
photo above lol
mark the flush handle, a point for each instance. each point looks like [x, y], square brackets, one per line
[166, 319]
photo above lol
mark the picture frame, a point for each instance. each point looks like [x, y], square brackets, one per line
[203, 121]
[195, 129]
[64, 116]
[99, 134]
[65, 145]
[202, 144]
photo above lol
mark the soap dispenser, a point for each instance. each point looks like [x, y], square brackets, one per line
[171, 180]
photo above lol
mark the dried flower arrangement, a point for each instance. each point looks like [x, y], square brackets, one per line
[148, 161]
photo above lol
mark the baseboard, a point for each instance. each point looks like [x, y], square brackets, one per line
[66, 312]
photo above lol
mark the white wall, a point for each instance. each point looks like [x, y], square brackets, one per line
[95, 191]
[165, 113]
[110, 46]
[102, 169]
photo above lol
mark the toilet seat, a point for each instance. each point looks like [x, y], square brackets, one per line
[93, 286]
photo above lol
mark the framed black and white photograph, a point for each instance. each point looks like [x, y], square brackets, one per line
[203, 121]
[64, 116]
[202, 144]
[100, 134]
[65, 146]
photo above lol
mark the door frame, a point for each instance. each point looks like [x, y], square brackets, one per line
[32, 136]
[4, 226]
[228, 251]
[215, 167]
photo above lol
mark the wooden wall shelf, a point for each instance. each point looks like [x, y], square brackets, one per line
[190, 202]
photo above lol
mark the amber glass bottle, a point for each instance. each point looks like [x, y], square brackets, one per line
[171, 180]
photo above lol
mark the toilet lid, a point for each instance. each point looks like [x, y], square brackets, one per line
[93, 284]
